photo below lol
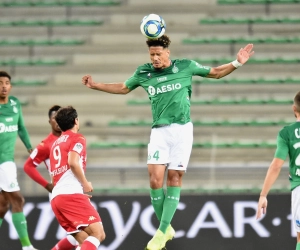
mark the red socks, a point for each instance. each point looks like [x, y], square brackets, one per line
[63, 244]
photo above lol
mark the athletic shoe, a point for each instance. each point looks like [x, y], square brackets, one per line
[170, 233]
[29, 248]
[157, 242]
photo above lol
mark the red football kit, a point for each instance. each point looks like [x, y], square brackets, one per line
[40, 154]
[70, 205]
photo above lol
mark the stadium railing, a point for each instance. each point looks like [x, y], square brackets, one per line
[210, 123]
[225, 101]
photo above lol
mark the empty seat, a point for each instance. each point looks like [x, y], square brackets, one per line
[41, 42]
[52, 3]
[22, 82]
[230, 2]
[234, 144]
[224, 101]
[210, 123]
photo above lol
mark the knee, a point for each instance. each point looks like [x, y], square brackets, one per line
[175, 178]
[17, 203]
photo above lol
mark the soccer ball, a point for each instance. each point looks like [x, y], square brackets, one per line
[153, 26]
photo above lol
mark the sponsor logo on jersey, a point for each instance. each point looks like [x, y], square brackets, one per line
[78, 147]
[10, 128]
[9, 119]
[91, 218]
[143, 71]
[162, 79]
[163, 89]
[59, 170]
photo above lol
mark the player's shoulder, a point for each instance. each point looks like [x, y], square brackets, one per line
[78, 136]
[147, 67]
[50, 139]
[289, 128]
[13, 100]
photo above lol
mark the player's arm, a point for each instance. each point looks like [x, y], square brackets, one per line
[23, 133]
[73, 161]
[34, 174]
[242, 57]
[113, 88]
[272, 175]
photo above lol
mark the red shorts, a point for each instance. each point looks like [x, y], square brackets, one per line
[74, 211]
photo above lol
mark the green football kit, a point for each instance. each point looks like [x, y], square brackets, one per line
[288, 144]
[11, 125]
[169, 89]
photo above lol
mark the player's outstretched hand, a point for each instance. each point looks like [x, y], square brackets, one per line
[87, 80]
[261, 207]
[87, 187]
[245, 53]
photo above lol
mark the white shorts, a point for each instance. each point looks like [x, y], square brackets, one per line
[171, 145]
[8, 177]
[296, 208]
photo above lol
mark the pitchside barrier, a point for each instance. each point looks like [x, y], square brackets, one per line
[208, 222]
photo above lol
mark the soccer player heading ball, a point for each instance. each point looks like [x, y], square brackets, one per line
[168, 83]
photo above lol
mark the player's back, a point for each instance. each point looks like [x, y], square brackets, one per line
[63, 178]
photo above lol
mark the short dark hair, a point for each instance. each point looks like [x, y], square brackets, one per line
[297, 101]
[65, 118]
[164, 41]
[54, 108]
[5, 74]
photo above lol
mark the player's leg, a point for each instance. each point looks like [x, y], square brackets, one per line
[179, 157]
[156, 177]
[11, 192]
[67, 243]
[4, 206]
[96, 235]
[298, 241]
[295, 205]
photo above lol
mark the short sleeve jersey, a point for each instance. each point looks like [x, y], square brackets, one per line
[11, 123]
[288, 144]
[169, 89]
[42, 152]
[63, 178]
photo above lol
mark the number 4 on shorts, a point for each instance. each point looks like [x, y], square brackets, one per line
[156, 155]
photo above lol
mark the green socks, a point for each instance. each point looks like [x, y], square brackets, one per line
[157, 200]
[298, 246]
[20, 224]
[1, 222]
[169, 208]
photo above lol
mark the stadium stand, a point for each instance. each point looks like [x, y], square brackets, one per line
[49, 45]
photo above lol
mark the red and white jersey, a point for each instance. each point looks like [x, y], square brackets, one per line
[42, 152]
[63, 179]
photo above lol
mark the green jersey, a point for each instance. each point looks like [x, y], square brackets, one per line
[169, 89]
[11, 124]
[288, 144]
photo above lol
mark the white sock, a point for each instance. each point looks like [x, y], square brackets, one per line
[93, 240]
[72, 240]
